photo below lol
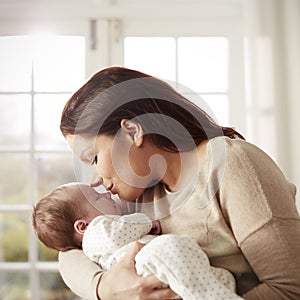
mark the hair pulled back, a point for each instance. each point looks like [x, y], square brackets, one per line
[117, 93]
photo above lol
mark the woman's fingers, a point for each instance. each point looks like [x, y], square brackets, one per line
[129, 285]
[156, 289]
[132, 252]
[150, 287]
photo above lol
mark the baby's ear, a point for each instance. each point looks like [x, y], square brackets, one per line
[134, 130]
[80, 226]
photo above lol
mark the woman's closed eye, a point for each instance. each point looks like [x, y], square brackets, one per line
[94, 160]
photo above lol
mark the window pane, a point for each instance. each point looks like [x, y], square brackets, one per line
[16, 64]
[46, 254]
[53, 288]
[54, 170]
[214, 105]
[14, 178]
[203, 63]
[152, 55]
[219, 106]
[14, 285]
[14, 236]
[15, 112]
[59, 63]
[47, 114]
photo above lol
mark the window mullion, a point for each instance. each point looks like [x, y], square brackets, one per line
[32, 247]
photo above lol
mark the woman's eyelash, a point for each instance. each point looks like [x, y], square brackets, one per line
[94, 160]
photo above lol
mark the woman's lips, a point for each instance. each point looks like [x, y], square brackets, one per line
[112, 189]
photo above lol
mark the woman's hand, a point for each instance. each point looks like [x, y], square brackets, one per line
[122, 283]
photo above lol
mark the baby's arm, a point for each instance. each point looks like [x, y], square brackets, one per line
[106, 234]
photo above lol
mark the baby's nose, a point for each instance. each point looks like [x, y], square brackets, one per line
[97, 181]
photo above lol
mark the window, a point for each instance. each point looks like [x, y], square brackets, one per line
[37, 76]
[198, 65]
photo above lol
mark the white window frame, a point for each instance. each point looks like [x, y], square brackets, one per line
[231, 29]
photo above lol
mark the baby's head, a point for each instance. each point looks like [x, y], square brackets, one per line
[61, 217]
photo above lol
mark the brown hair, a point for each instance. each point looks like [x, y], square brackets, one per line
[117, 93]
[53, 219]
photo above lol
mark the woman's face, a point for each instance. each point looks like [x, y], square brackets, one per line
[122, 166]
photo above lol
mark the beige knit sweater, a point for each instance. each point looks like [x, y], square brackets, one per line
[241, 211]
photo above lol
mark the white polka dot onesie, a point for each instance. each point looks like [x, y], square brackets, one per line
[177, 260]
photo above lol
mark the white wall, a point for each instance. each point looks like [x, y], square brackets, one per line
[292, 40]
[272, 44]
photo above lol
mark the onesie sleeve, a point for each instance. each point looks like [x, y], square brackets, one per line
[259, 204]
[108, 233]
[81, 274]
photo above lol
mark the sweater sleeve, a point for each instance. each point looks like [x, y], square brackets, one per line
[80, 274]
[259, 204]
[108, 233]
[277, 266]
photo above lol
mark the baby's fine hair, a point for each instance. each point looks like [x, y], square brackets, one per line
[53, 220]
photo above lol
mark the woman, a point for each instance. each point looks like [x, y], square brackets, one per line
[166, 157]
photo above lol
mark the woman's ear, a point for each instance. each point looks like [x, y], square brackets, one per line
[80, 226]
[134, 130]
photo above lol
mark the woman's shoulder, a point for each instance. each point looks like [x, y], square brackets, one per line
[236, 144]
[240, 150]
[252, 177]
[242, 159]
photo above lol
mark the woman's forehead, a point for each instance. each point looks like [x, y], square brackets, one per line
[79, 144]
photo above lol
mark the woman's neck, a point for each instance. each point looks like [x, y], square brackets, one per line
[182, 166]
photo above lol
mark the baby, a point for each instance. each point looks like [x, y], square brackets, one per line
[77, 216]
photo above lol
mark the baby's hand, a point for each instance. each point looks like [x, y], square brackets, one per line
[156, 229]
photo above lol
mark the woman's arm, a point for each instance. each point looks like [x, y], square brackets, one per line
[273, 253]
[122, 283]
[108, 237]
[79, 273]
[259, 203]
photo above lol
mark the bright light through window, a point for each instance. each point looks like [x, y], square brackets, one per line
[152, 55]
[203, 63]
[37, 76]
[198, 64]
[55, 63]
